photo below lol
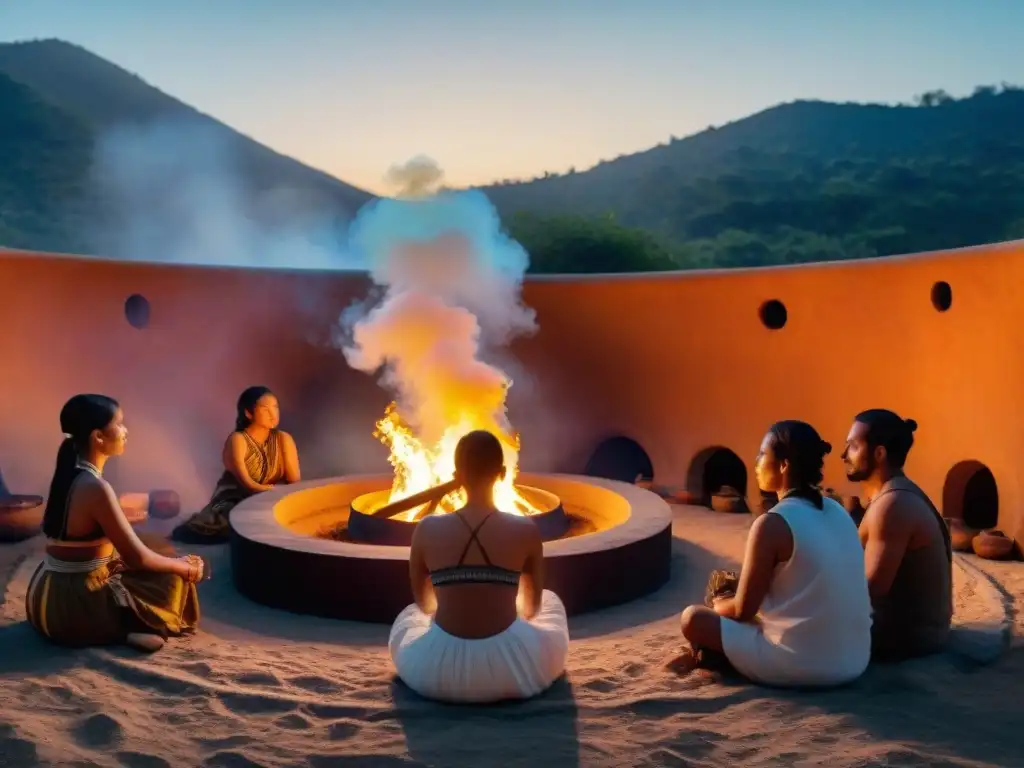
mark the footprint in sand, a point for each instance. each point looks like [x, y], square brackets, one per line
[229, 759]
[15, 750]
[141, 760]
[97, 731]
[227, 742]
[314, 684]
[293, 722]
[199, 668]
[634, 670]
[258, 678]
[342, 730]
[254, 704]
[601, 685]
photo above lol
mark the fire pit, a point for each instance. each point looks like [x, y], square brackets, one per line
[316, 548]
[366, 525]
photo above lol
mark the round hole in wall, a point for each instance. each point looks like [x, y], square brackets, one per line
[136, 310]
[773, 314]
[942, 296]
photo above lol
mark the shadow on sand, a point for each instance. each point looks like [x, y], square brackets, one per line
[541, 731]
[931, 710]
[229, 615]
[691, 564]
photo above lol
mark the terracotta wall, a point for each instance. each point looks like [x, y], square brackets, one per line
[677, 362]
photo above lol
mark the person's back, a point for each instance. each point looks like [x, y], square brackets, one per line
[817, 609]
[482, 627]
[475, 557]
[913, 618]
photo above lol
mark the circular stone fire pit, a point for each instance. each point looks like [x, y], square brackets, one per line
[614, 545]
[363, 527]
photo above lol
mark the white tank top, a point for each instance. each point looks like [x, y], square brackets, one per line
[818, 606]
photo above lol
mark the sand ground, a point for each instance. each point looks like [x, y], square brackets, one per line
[262, 687]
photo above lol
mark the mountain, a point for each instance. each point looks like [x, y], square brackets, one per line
[44, 158]
[809, 181]
[804, 181]
[73, 93]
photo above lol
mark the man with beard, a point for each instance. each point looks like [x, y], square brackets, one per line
[907, 551]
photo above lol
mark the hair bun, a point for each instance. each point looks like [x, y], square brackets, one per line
[911, 424]
[826, 447]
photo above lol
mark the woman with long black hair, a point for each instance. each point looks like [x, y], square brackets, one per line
[257, 456]
[800, 614]
[98, 583]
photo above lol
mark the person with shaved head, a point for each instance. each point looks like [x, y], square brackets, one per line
[482, 627]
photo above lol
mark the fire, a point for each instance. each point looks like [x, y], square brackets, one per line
[419, 467]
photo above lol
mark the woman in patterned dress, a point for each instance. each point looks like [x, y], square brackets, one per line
[257, 456]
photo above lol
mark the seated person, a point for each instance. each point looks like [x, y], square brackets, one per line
[800, 615]
[98, 583]
[257, 456]
[472, 571]
[908, 554]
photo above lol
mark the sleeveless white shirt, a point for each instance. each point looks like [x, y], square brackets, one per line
[815, 622]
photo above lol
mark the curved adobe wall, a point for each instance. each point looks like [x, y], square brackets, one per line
[677, 362]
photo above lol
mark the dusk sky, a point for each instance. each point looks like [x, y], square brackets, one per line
[513, 88]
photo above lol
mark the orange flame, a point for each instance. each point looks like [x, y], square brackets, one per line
[419, 467]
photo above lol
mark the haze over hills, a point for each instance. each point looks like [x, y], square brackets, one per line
[798, 182]
[97, 111]
[104, 96]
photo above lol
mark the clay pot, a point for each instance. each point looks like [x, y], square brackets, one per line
[992, 545]
[960, 535]
[21, 517]
[728, 500]
[164, 505]
[135, 506]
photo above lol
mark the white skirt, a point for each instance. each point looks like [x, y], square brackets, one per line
[518, 663]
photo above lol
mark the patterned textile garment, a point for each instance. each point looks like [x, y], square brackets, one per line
[264, 464]
[100, 601]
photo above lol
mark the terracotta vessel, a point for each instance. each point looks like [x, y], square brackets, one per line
[992, 545]
[135, 506]
[960, 534]
[728, 500]
[164, 505]
[21, 516]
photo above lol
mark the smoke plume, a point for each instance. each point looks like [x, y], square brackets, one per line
[177, 190]
[418, 177]
[451, 282]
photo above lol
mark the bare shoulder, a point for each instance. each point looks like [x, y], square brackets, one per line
[891, 512]
[235, 439]
[91, 490]
[522, 524]
[286, 438]
[770, 526]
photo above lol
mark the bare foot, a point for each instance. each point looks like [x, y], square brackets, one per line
[144, 641]
[684, 663]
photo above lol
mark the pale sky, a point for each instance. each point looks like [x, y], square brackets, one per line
[512, 88]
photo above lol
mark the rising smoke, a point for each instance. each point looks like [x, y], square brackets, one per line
[451, 284]
[177, 190]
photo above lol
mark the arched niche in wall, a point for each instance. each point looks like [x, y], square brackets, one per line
[970, 494]
[620, 458]
[714, 468]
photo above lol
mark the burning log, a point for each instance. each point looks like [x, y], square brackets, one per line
[431, 497]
